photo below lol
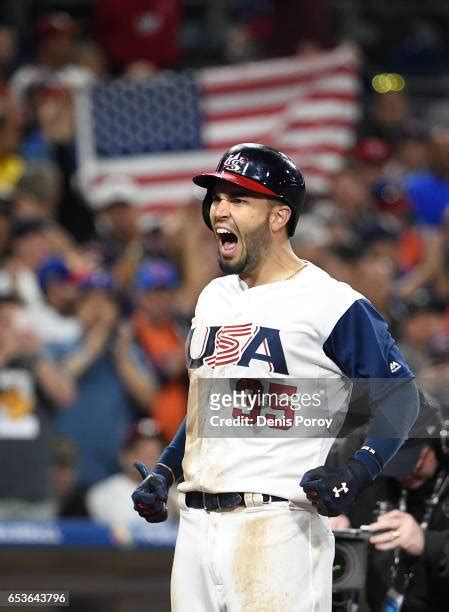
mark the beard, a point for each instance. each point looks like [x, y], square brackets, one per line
[255, 246]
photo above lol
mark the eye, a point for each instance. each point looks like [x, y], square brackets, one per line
[237, 200]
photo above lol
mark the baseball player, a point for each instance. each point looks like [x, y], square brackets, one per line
[254, 533]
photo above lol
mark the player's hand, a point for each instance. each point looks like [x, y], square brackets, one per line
[150, 497]
[334, 490]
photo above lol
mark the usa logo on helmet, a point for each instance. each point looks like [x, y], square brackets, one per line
[235, 163]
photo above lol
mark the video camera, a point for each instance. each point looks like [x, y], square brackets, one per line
[349, 568]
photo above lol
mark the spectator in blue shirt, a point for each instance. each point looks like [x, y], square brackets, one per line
[428, 190]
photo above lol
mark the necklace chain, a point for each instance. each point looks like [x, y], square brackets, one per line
[295, 272]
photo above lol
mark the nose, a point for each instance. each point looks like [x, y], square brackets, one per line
[220, 208]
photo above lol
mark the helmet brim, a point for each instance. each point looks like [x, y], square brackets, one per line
[208, 180]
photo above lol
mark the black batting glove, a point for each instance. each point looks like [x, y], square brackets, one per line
[334, 490]
[150, 497]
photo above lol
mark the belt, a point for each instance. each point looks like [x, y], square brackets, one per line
[227, 501]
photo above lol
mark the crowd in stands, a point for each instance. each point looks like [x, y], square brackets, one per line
[95, 306]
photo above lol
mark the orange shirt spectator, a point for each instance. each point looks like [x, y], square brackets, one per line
[156, 332]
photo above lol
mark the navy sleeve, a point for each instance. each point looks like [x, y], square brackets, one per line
[392, 419]
[363, 348]
[173, 454]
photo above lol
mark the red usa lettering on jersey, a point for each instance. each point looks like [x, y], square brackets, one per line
[239, 345]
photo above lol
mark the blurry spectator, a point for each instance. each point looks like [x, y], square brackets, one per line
[240, 46]
[149, 27]
[90, 56]
[380, 237]
[32, 244]
[422, 321]
[30, 247]
[387, 117]
[389, 198]
[197, 266]
[11, 164]
[431, 274]
[411, 152]
[428, 191]
[54, 117]
[312, 239]
[112, 379]
[55, 40]
[64, 478]
[351, 196]
[56, 320]
[115, 204]
[369, 156]
[374, 277]
[160, 339]
[36, 196]
[37, 191]
[31, 388]
[143, 443]
[340, 261]
[435, 377]
[49, 123]
[249, 30]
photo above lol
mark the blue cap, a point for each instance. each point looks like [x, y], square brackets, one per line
[156, 275]
[53, 270]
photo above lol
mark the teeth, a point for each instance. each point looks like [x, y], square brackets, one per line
[220, 230]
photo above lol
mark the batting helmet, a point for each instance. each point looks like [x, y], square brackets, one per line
[261, 169]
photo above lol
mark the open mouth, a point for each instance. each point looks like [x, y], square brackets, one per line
[227, 242]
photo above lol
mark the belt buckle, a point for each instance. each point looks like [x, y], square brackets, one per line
[254, 500]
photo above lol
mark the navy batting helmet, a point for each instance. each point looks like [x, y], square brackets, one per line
[261, 169]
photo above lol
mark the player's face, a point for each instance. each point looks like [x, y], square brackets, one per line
[240, 220]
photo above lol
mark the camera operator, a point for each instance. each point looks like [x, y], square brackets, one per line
[409, 561]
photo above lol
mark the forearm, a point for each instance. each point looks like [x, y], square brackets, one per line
[125, 269]
[393, 417]
[173, 454]
[138, 383]
[77, 362]
[55, 384]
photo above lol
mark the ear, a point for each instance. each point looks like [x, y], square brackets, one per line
[279, 217]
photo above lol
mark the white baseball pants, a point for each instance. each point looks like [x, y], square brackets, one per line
[273, 558]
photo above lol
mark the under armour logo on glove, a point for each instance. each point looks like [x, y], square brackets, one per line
[343, 489]
[334, 490]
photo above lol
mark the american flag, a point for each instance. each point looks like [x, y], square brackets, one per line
[163, 131]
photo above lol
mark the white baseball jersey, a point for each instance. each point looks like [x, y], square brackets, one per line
[282, 330]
